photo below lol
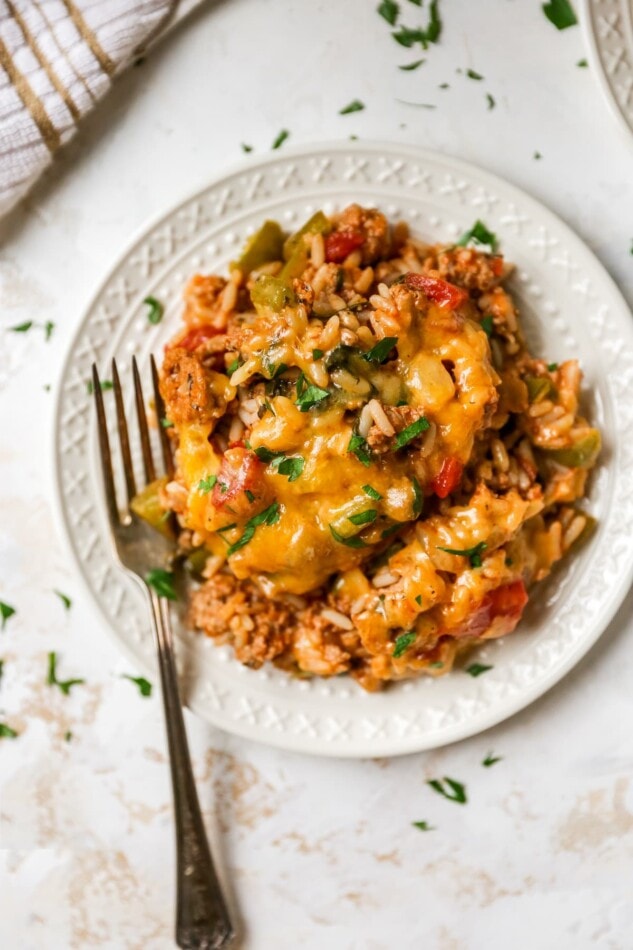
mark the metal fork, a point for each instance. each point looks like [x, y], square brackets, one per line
[202, 917]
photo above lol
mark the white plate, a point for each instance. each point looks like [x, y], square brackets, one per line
[571, 308]
[609, 28]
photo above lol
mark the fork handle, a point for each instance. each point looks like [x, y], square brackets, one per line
[202, 917]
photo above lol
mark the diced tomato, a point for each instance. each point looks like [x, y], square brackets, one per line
[496, 264]
[437, 290]
[341, 243]
[240, 471]
[448, 477]
[502, 606]
[192, 340]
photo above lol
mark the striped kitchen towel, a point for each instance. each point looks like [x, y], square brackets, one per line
[58, 58]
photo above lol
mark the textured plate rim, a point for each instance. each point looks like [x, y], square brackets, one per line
[625, 124]
[507, 707]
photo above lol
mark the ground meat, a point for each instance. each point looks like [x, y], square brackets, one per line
[225, 607]
[202, 299]
[467, 267]
[373, 225]
[192, 392]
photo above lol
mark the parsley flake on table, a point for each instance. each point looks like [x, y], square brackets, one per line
[582, 64]
[416, 105]
[51, 678]
[354, 106]
[476, 669]
[411, 432]
[450, 789]
[268, 516]
[155, 310]
[473, 554]
[537, 155]
[434, 26]
[162, 582]
[206, 484]
[246, 148]
[402, 644]
[22, 327]
[422, 826]
[49, 326]
[144, 686]
[66, 601]
[359, 447]
[491, 760]
[480, 236]
[407, 38]
[369, 490]
[68, 736]
[560, 13]
[491, 101]
[6, 611]
[6, 732]
[281, 138]
[389, 11]
[474, 75]
[409, 67]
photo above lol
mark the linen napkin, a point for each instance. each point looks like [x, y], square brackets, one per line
[58, 58]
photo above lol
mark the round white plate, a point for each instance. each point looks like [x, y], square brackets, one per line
[570, 307]
[609, 28]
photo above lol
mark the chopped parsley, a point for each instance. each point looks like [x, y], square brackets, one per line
[281, 138]
[359, 447]
[450, 789]
[382, 349]
[317, 354]
[411, 432]
[163, 583]
[476, 669]
[206, 484]
[267, 455]
[66, 601]
[552, 366]
[249, 495]
[418, 498]
[292, 467]
[354, 106]
[6, 732]
[582, 64]
[104, 386]
[418, 600]
[51, 678]
[246, 148]
[155, 310]
[408, 38]
[364, 517]
[473, 554]
[537, 156]
[403, 642]
[22, 327]
[352, 542]
[309, 395]
[166, 424]
[487, 324]
[233, 365]
[491, 101]
[479, 235]
[389, 11]
[411, 66]
[444, 85]
[491, 760]
[422, 826]
[268, 516]
[144, 686]
[49, 326]
[68, 736]
[6, 611]
[473, 75]
[560, 13]
[434, 27]
[371, 491]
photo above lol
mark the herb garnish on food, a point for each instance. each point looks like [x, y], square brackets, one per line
[359, 447]
[308, 395]
[163, 583]
[382, 349]
[452, 790]
[403, 642]
[352, 542]
[371, 491]
[412, 432]
[479, 235]
[473, 554]
[51, 678]
[6, 611]
[487, 324]
[268, 516]
[206, 484]
[364, 517]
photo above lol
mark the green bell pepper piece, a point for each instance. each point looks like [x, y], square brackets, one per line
[538, 387]
[272, 292]
[146, 504]
[582, 454]
[262, 247]
[295, 248]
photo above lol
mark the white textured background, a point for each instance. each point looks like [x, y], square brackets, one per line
[319, 853]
